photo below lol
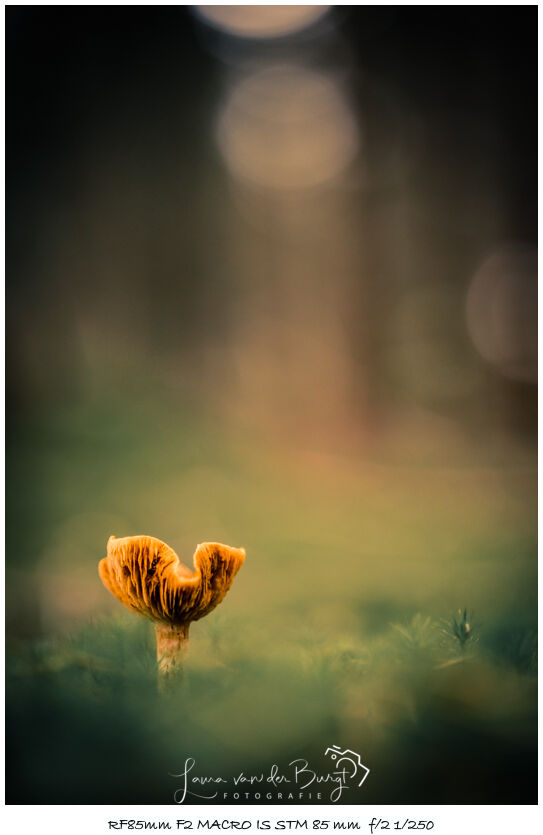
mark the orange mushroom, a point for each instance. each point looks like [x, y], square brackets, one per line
[147, 576]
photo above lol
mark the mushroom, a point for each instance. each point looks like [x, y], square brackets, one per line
[147, 576]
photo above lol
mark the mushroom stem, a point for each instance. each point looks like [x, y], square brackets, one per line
[172, 643]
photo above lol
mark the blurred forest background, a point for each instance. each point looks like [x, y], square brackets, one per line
[272, 281]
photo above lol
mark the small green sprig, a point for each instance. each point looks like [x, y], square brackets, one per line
[461, 629]
[417, 633]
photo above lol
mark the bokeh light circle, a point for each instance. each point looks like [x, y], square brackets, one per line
[287, 127]
[261, 21]
[501, 311]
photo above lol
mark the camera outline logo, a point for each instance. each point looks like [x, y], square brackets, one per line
[339, 755]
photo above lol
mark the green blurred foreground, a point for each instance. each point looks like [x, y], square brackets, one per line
[338, 630]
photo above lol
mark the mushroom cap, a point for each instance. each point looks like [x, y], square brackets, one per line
[147, 576]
